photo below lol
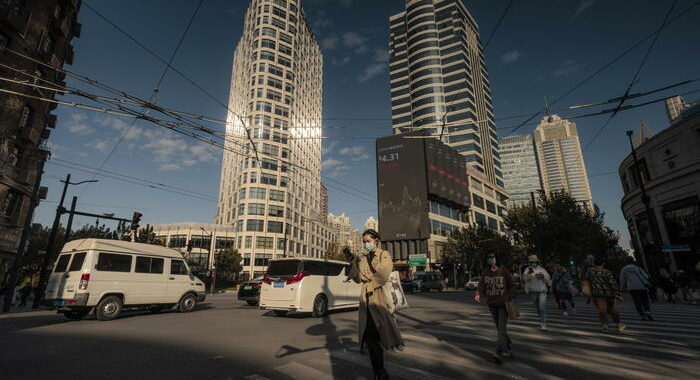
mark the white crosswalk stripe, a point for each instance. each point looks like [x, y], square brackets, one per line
[461, 348]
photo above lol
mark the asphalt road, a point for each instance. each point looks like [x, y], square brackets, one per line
[447, 337]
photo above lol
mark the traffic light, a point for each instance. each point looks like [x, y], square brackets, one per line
[135, 220]
[189, 246]
[571, 262]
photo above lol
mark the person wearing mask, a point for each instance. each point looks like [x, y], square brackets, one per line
[562, 283]
[537, 282]
[377, 326]
[605, 294]
[498, 287]
[636, 281]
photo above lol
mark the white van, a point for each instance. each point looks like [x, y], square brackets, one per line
[296, 285]
[110, 275]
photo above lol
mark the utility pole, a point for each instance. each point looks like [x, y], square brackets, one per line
[212, 286]
[49, 256]
[646, 200]
[537, 228]
[69, 225]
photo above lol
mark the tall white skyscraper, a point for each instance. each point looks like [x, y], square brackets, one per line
[520, 171]
[271, 192]
[560, 158]
[372, 224]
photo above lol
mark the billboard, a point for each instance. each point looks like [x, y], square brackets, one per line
[402, 187]
[447, 173]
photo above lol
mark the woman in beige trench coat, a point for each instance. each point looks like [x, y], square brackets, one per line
[377, 326]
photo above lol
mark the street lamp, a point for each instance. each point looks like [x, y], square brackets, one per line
[48, 258]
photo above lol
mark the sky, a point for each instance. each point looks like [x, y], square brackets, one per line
[542, 49]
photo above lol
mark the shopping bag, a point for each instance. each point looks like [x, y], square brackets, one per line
[393, 293]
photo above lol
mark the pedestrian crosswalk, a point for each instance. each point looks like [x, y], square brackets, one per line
[460, 347]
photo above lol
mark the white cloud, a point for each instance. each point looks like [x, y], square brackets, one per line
[568, 67]
[330, 42]
[582, 6]
[510, 57]
[340, 62]
[330, 163]
[321, 20]
[380, 64]
[103, 146]
[355, 41]
[80, 129]
[358, 153]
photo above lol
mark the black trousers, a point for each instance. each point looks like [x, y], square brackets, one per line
[641, 301]
[376, 352]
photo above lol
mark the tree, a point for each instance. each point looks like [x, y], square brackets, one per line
[559, 228]
[466, 249]
[228, 265]
[97, 231]
[143, 235]
[335, 253]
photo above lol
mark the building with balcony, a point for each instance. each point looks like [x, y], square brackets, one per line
[41, 30]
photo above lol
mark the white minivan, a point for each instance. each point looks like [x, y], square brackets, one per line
[109, 275]
[298, 285]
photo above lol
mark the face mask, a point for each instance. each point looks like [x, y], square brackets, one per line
[491, 261]
[534, 264]
[369, 247]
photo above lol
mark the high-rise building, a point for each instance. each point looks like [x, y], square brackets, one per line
[520, 171]
[324, 205]
[271, 188]
[372, 224]
[439, 81]
[675, 105]
[440, 86]
[42, 31]
[341, 228]
[560, 159]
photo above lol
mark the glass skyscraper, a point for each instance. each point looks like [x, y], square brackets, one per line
[520, 171]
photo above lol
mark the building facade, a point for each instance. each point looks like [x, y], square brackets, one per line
[41, 30]
[207, 239]
[560, 159]
[668, 166]
[341, 229]
[675, 105]
[520, 172]
[271, 188]
[371, 224]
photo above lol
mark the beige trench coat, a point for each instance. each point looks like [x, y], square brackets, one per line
[372, 298]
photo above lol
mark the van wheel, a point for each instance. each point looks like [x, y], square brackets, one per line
[252, 303]
[109, 308]
[188, 303]
[76, 315]
[320, 306]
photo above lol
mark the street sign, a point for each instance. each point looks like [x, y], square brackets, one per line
[419, 260]
[675, 248]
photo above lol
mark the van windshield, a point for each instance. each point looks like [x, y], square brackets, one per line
[283, 268]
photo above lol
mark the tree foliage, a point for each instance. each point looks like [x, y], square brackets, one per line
[562, 228]
[228, 265]
[335, 253]
[467, 247]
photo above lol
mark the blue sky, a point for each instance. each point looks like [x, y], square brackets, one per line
[542, 48]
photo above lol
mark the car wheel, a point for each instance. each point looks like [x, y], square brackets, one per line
[109, 308]
[320, 306]
[280, 313]
[188, 303]
[252, 303]
[76, 315]
[414, 290]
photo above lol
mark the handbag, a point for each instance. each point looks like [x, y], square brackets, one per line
[393, 293]
[512, 310]
[586, 288]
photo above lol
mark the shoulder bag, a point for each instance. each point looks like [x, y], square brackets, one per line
[512, 309]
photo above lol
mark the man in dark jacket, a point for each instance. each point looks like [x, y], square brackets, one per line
[498, 286]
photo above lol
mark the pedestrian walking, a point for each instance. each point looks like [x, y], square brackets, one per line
[563, 285]
[588, 264]
[605, 294]
[636, 281]
[684, 282]
[537, 282]
[497, 285]
[24, 294]
[667, 285]
[377, 326]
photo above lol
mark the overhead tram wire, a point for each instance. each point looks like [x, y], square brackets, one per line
[634, 78]
[608, 64]
[464, 84]
[182, 75]
[153, 95]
